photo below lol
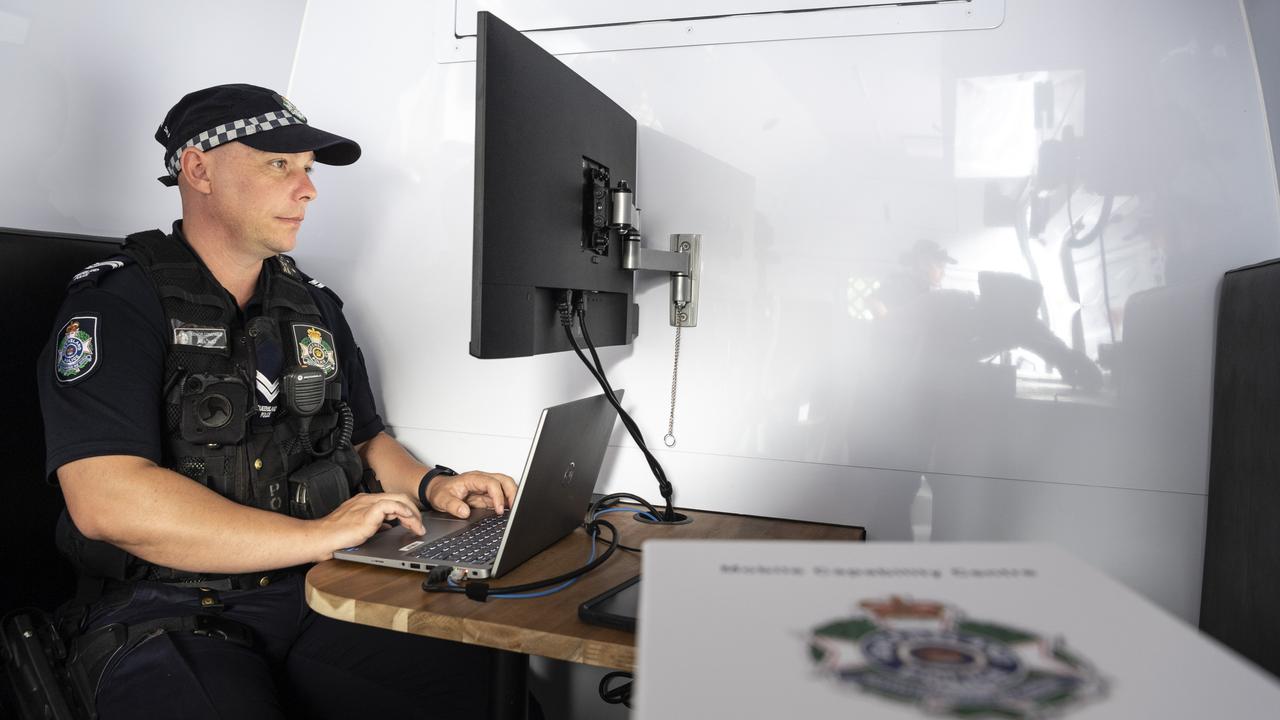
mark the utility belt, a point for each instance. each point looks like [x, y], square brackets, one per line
[207, 588]
[245, 581]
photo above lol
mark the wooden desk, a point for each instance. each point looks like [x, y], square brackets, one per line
[547, 626]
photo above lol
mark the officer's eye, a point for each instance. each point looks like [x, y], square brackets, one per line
[309, 169]
[279, 164]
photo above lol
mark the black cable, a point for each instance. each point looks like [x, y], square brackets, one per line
[346, 427]
[581, 311]
[606, 501]
[620, 695]
[304, 435]
[664, 486]
[478, 590]
[611, 500]
[597, 370]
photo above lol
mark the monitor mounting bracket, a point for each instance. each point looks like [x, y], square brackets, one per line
[683, 260]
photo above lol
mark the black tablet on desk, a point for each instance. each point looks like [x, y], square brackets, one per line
[615, 608]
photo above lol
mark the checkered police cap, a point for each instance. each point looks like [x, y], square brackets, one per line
[255, 116]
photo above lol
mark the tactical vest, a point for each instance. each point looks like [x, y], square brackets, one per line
[220, 429]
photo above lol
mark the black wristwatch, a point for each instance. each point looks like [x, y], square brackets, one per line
[426, 479]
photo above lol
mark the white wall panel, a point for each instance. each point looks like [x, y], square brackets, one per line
[84, 85]
[812, 167]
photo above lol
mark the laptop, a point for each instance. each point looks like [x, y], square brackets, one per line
[551, 501]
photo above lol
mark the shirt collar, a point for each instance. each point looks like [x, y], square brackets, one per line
[259, 290]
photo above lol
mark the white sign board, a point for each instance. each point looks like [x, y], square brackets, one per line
[766, 629]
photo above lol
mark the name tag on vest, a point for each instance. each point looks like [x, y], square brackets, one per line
[209, 338]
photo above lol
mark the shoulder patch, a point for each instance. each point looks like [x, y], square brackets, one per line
[315, 348]
[78, 349]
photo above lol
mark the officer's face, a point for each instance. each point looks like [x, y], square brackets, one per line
[936, 272]
[261, 196]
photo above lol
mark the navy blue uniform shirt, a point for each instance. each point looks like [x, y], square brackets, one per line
[117, 407]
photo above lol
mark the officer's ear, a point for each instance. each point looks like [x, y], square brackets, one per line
[195, 170]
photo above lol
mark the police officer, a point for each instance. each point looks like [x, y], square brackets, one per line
[209, 418]
[923, 268]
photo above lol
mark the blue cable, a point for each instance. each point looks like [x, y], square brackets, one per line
[529, 596]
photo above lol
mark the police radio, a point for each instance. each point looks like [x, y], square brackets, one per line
[304, 391]
[319, 487]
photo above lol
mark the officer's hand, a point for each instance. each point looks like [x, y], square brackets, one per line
[357, 519]
[457, 494]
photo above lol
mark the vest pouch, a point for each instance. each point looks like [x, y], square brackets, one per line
[317, 489]
[214, 409]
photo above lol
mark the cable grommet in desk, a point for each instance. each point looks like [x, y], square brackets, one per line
[676, 519]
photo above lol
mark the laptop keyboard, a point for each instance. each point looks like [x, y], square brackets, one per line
[475, 544]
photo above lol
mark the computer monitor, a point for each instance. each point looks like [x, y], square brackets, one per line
[549, 147]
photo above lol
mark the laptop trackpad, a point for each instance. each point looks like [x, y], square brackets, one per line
[400, 539]
[439, 527]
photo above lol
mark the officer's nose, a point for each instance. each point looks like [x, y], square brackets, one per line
[308, 191]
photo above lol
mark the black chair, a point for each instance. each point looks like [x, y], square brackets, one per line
[1241, 587]
[35, 268]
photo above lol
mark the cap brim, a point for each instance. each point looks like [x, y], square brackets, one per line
[330, 149]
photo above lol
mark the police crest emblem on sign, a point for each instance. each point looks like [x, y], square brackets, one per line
[316, 349]
[932, 655]
[78, 350]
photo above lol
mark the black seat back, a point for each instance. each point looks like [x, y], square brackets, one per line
[35, 268]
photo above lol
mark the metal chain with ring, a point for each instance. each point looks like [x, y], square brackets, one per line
[670, 438]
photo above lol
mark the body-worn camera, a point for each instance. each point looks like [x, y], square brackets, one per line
[213, 409]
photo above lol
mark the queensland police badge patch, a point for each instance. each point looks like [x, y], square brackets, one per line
[77, 353]
[316, 349]
[929, 654]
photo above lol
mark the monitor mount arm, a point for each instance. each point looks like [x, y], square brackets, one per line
[683, 260]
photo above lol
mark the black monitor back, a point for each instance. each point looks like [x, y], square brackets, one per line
[35, 268]
[537, 122]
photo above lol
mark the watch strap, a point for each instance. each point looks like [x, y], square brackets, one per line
[426, 480]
